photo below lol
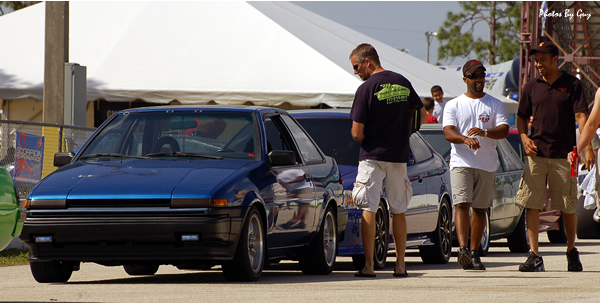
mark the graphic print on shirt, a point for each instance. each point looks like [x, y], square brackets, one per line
[484, 117]
[392, 93]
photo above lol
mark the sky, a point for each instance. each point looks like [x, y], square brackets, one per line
[400, 24]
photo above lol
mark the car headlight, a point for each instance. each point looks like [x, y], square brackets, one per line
[45, 203]
[198, 202]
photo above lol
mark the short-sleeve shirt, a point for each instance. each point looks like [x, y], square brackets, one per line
[465, 113]
[553, 108]
[382, 104]
[438, 110]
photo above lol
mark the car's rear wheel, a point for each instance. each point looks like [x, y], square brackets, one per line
[382, 224]
[440, 251]
[51, 271]
[141, 269]
[560, 235]
[518, 241]
[248, 262]
[319, 257]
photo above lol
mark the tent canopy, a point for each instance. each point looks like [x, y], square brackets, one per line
[229, 52]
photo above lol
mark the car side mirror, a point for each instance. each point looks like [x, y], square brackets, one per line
[282, 158]
[62, 159]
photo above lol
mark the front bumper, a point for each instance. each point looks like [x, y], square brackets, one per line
[120, 238]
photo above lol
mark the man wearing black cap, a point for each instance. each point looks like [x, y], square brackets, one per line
[555, 101]
[473, 122]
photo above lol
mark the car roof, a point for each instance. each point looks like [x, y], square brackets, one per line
[182, 108]
[316, 113]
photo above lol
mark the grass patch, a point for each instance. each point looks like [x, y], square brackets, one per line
[13, 256]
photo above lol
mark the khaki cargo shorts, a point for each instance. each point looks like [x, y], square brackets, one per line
[472, 185]
[556, 174]
[369, 182]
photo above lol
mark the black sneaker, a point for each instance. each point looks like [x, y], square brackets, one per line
[533, 263]
[573, 260]
[464, 258]
[476, 261]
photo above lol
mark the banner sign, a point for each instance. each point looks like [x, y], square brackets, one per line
[29, 158]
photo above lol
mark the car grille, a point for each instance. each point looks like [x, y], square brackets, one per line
[119, 203]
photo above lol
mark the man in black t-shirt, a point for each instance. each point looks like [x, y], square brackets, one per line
[555, 101]
[381, 114]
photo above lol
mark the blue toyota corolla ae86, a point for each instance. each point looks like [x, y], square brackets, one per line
[189, 186]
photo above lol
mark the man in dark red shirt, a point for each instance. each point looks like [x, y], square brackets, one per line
[555, 101]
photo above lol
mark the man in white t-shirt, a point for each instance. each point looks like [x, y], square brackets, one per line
[438, 108]
[473, 122]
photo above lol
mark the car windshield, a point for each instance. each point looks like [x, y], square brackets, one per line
[333, 136]
[191, 134]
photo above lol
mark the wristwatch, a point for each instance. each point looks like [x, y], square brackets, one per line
[485, 132]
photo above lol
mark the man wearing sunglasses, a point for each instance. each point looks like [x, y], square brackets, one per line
[472, 123]
[556, 102]
[381, 114]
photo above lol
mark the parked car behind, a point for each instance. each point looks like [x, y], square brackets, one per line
[10, 225]
[189, 186]
[429, 215]
[505, 218]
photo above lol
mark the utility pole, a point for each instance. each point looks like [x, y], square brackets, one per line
[55, 55]
[429, 36]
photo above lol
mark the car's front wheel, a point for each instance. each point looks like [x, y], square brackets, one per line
[51, 271]
[248, 262]
[484, 246]
[440, 251]
[319, 257]
[518, 241]
[141, 269]
[382, 224]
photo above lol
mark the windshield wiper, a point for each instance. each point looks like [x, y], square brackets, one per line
[115, 155]
[180, 154]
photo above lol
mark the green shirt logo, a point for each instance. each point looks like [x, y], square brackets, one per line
[392, 93]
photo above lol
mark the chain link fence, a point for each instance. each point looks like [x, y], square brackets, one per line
[27, 149]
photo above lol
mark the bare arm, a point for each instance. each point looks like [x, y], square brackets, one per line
[528, 145]
[498, 132]
[582, 118]
[358, 131]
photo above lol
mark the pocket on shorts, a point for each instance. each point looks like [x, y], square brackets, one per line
[365, 169]
[359, 192]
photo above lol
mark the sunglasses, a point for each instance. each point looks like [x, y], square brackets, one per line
[475, 76]
[355, 66]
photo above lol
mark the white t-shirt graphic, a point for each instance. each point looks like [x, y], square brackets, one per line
[465, 113]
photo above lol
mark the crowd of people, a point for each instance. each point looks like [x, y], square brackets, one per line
[551, 107]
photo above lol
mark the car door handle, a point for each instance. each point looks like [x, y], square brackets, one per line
[306, 176]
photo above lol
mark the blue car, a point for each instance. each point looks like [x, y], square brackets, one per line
[429, 215]
[189, 186]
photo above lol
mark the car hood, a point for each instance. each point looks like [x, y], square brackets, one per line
[135, 179]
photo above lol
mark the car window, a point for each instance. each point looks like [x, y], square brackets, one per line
[510, 159]
[276, 138]
[419, 150]
[438, 142]
[223, 134]
[333, 137]
[309, 152]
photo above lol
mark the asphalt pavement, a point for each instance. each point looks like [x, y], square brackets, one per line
[501, 282]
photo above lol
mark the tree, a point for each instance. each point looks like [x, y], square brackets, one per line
[503, 18]
[15, 5]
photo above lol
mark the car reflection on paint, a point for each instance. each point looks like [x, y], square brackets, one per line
[189, 186]
[429, 215]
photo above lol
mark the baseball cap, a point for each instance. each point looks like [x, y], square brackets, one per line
[546, 47]
[471, 66]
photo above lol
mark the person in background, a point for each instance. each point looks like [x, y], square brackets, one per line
[438, 96]
[381, 117]
[555, 99]
[428, 105]
[473, 122]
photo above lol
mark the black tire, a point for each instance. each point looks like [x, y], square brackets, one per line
[518, 241]
[382, 234]
[51, 271]
[319, 257]
[484, 246]
[141, 269]
[249, 258]
[558, 236]
[440, 251]
[587, 228]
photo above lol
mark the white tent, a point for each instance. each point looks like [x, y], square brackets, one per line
[230, 52]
